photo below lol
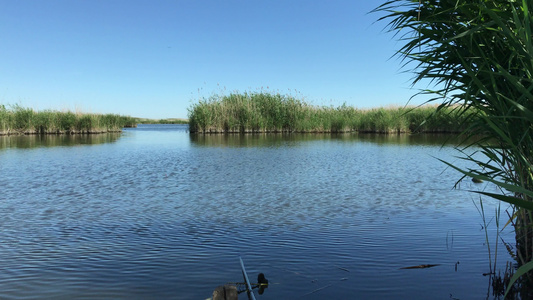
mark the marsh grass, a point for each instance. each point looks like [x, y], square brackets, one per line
[265, 112]
[21, 120]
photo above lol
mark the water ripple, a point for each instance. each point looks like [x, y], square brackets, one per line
[155, 214]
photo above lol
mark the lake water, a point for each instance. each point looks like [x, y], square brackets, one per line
[156, 213]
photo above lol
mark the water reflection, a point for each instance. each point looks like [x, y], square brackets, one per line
[287, 139]
[149, 217]
[227, 140]
[53, 140]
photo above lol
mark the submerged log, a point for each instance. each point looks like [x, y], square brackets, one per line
[420, 267]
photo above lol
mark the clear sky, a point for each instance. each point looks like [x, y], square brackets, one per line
[155, 58]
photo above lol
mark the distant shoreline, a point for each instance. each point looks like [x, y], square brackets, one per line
[162, 121]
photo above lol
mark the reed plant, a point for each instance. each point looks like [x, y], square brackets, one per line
[479, 54]
[265, 112]
[16, 119]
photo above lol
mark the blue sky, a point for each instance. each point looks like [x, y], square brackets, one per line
[154, 59]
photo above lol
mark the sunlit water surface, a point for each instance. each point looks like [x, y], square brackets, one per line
[158, 213]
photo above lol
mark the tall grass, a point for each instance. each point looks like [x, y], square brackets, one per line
[480, 55]
[265, 112]
[20, 120]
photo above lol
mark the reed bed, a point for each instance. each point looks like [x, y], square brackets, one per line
[265, 112]
[20, 120]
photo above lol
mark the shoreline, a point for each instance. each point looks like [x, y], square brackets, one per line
[399, 132]
[60, 132]
[216, 131]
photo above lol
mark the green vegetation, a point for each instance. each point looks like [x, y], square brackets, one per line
[162, 121]
[20, 120]
[264, 112]
[480, 54]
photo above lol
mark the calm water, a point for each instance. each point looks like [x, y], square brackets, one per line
[157, 213]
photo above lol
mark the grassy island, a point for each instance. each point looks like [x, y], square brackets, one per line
[264, 112]
[20, 120]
